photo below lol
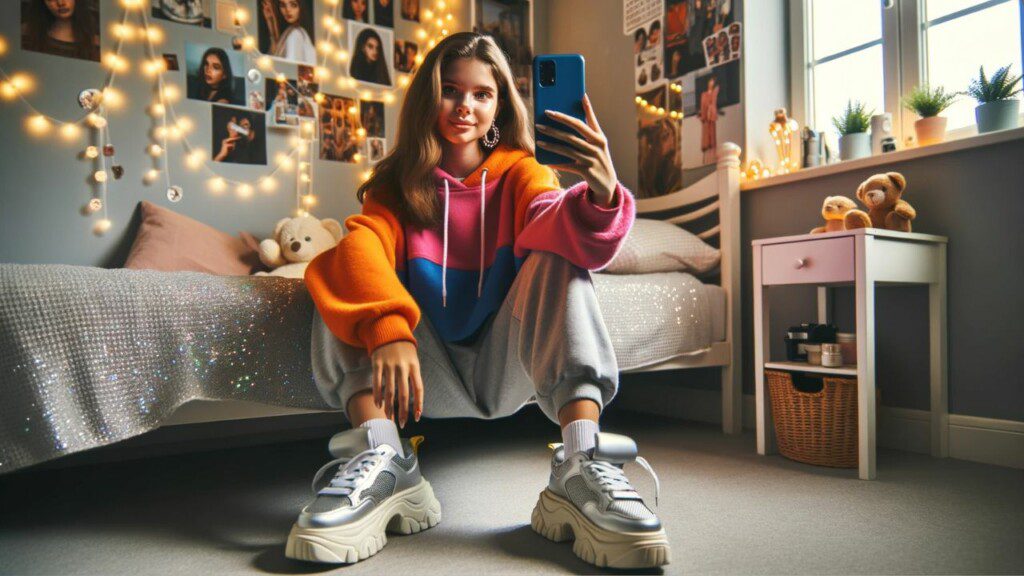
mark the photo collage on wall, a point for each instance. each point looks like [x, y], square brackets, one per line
[695, 44]
[218, 72]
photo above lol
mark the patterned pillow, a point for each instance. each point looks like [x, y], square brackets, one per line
[656, 246]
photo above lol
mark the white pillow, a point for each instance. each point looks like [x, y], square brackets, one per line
[656, 246]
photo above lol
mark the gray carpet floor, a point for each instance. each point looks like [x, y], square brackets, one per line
[726, 509]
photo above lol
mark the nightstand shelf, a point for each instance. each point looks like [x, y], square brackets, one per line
[846, 370]
[864, 259]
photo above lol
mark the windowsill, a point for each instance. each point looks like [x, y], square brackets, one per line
[973, 141]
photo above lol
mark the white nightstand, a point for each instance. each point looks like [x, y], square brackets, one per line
[864, 258]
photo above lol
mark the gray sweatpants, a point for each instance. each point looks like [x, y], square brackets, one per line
[547, 343]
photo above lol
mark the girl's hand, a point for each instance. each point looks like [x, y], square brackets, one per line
[395, 367]
[590, 155]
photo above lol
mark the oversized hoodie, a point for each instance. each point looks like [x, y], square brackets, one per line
[373, 286]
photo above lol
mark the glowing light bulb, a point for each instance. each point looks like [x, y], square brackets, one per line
[157, 109]
[9, 92]
[309, 200]
[100, 176]
[3, 46]
[352, 82]
[131, 4]
[244, 190]
[217, 184]
[38, 124]
[325, 47]
[92, 152]
[428, 13]
[155, 35]
[195, 158]
[101, 227]
[304, 178]
[248, 43]
[285, 162]
[389, 98]
[421, 34]
[441, 4]
[171, 93]
[281, 78]
[267, 184]
[69, 131]
[329, 21]
[264, 63]
[151, 176]
[403, 80]
[361, 132]
[174, 133]
[432, 43]
[341, 56]
[321, 73]
[319, 97]
[366, 175]
[241, 16]
[366, 94]
[353, 110]
[418, 59]
[184, 124]
[112, 97]
[94, 205]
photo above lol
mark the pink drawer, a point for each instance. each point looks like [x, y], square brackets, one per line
[809, 262]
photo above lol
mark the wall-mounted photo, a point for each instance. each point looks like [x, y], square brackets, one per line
[287, 103]
[339, 127]
[510, 23]
[239, 135]
[384, 13]
[405, 56]
[371, 60]
[68, 29]
[371, 115]
[214, 75]
[227, 20]
[356, 10]
[410, 10]
[192, 12]
[375, 150]
[659, 159]
[286, 30]
[650, 69]
[171, 60]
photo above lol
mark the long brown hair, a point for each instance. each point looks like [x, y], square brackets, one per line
[403, 181]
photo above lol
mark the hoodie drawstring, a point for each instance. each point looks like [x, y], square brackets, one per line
[444, 258]
[483, 236]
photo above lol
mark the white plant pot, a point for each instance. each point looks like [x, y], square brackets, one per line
[997, 115]
[853, 146]
[931, 130]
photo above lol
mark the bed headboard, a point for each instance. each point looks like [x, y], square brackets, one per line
[710, 208]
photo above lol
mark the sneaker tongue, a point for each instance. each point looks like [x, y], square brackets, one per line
[350, 442]
[614, 448]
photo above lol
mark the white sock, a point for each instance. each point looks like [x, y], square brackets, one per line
[384, 431]
[578, 436]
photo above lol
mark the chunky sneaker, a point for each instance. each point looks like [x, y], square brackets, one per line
[590, 500]
[373, 490]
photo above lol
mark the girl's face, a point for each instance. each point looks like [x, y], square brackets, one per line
[61, 9]
[213, 70]
[358, 8]
[469, 101]
[371, 49]
[290, 10]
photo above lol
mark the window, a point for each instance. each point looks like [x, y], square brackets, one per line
[877, 51]
[961, 35]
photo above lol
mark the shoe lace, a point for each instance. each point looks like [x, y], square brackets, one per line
[351, 471]
[611, 477]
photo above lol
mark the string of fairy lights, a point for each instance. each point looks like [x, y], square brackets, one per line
[172, 126]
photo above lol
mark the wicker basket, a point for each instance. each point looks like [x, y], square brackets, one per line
[815, 427]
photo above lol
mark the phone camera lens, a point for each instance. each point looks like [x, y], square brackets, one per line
[547, 73]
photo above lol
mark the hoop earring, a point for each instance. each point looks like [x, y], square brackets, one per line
[491, 141]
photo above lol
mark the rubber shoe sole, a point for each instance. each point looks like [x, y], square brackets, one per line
[408, 512]
[558, 520]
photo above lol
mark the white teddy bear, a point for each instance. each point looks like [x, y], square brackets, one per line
[296, 242]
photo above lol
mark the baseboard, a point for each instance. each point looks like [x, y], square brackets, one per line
[985, 440]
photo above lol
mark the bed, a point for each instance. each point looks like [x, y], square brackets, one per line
[92, 356]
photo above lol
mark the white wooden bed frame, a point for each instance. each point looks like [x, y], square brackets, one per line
[723, 183]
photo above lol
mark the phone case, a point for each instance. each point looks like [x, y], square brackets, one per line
[565, 96]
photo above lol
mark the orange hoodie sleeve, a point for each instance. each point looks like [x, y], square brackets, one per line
[355, 287]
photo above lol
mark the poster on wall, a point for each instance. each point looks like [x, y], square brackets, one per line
[659, 160]
[239, 135]
[405, 56]
[191, 12]
[716, 88]
[724, 46]
[339, 126]
[214, 75]
[384, 13]
[286, 31]
[510, 23]
[45, 28]
[636, 12]
[289, 101]
[372, 59]
[650, 70]
[411, 10]
[371, 116]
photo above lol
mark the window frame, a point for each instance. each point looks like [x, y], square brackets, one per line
[904, 60]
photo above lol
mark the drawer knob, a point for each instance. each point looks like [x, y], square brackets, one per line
[800, 263]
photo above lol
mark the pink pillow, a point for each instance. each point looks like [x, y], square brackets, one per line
[172, 242]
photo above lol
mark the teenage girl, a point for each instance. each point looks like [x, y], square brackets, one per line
[463, 289]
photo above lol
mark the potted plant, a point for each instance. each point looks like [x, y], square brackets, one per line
[997, 108]
[852, 125]
[928, 103]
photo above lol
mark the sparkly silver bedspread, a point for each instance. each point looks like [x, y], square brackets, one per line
[91, 356]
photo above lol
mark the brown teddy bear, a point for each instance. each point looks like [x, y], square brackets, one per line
[881, 194]
[833, 210]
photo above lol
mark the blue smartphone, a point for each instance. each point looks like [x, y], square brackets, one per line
[558, 84]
